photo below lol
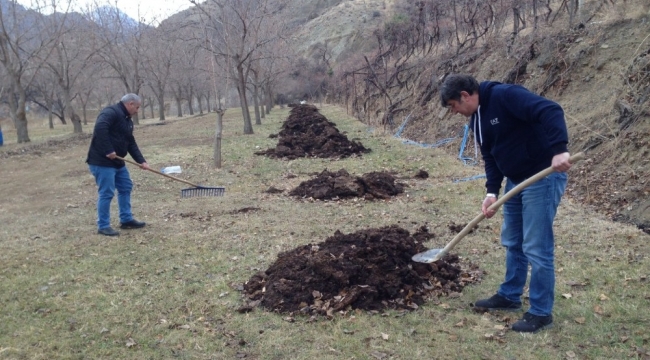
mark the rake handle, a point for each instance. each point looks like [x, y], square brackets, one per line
[514, 191]
[158, 172]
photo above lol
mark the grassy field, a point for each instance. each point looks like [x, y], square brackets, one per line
[171, 290]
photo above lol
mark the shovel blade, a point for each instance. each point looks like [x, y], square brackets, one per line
[427, 257]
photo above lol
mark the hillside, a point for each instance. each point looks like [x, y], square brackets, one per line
[598, 71]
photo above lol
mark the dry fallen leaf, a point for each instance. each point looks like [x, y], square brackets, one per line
[130, 343]
[603, 297]
[567, 296]
[384, 336]
[580, 320]
[598, 310]
[570, 354]
[624, 339]
[379, 355]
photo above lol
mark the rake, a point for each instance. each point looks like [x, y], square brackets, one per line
[196, 191]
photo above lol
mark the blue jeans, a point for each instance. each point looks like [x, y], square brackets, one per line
[109, 179]
[527, 235]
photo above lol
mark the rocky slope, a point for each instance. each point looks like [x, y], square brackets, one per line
[598, 71]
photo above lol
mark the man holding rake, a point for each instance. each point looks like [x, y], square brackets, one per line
[112, 137]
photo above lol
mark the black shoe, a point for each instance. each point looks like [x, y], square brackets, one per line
[108, 232]
[532, 323]
[498, 302]
[133, 224]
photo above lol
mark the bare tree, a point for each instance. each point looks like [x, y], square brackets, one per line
[120, 44]
[23, 45]
[44, 93]
[160, 55]
[72, 55]
[237, 29]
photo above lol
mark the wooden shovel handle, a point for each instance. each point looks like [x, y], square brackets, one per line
[514, 191]
[158, 172]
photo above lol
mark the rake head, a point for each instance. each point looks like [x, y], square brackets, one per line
[203, 191]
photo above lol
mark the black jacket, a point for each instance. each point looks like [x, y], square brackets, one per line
[113, 133]
[518, 131]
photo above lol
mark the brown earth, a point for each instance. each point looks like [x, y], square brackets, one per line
[307, 133]
[368, 270]
[339, 185]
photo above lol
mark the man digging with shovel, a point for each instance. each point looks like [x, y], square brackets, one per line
[519, 134]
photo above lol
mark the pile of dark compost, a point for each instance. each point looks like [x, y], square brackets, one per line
[339, 185]
[307, 133]
[368, 270]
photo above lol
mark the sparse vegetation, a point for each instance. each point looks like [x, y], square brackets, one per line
[172, 289]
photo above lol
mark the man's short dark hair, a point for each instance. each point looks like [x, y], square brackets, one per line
[454, 84]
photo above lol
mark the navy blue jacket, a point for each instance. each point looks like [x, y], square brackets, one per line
[519, 132]
[113, 133]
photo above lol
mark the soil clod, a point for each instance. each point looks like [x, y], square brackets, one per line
[369, 270]
[338, 185]
[307, 133]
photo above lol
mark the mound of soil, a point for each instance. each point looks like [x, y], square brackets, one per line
[307, 133]
[332, 185]
[369, 270]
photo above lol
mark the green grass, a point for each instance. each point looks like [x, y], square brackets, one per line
[171, 290]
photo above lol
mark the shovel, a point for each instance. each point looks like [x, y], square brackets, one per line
[197, 190]
[432, 255]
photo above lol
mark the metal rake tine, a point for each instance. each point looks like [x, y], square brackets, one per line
[203, 191]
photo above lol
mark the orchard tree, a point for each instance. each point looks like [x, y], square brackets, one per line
[235, 31]
[24, 43]
[119, 42]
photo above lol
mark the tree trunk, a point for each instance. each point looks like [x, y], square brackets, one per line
[190, 101]
[241, 88]
[248, 126]
[161, 107]
[17, 111]
[269, 99]
[50, 116]
[151, 102]
[144, 107]
[217, 138]
[179, 110]
[84, 112]
[256, 106]
[262, 101]
[76, 121]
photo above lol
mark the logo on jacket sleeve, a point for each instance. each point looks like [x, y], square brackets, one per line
[494, 121]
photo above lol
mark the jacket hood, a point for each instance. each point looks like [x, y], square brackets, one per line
[485, 91]
[484, 95]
